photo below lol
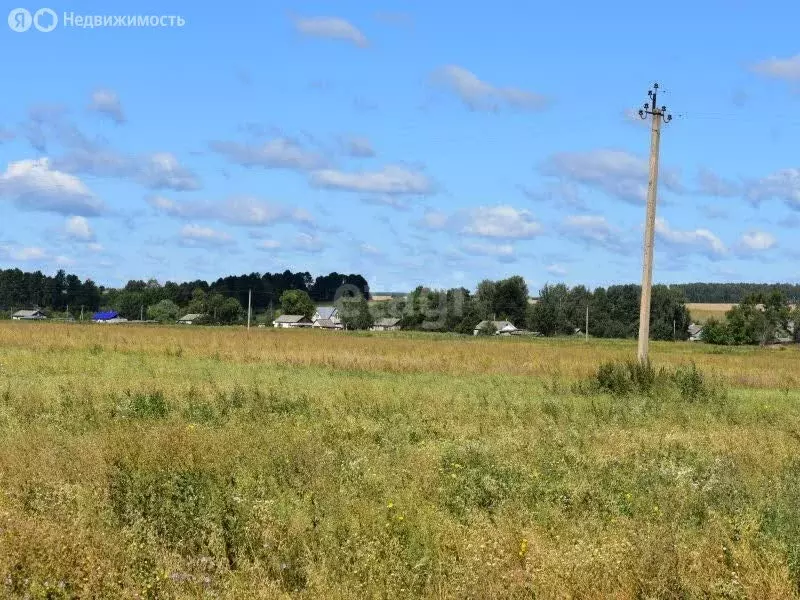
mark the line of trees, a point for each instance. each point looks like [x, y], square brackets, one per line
[758, 319]
[734, 292]
[222, 299]
[559, 310]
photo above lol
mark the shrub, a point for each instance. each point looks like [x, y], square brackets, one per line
[631, 377]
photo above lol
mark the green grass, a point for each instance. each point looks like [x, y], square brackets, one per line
[136, 470]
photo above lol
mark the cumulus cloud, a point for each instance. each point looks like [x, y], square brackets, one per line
[758, 241]
[35, 185]
[498, 222]
[593, 230]
[278, 153]
[787, 69]
[500, 251]
[78, 229]
[390, 180]
[160, 170]
[23, 253]
[235, 210]
[481, 95]
[614, 172]
[556, 269]
[331, 27]
[305, 242]
[501, 221]
[203, 237]
[106, 102]
[701, 241]
[783, 185]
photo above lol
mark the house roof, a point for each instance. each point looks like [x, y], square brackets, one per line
[27, 313]
[326, 312]
[387, 322]
[694, 329]
[291, 319]
[105, 315]
[191, 317]
[326, 323]
[498, 325]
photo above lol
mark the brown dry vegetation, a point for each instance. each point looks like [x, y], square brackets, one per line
[703, 311]
[199, 462]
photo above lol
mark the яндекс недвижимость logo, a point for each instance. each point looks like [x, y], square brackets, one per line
[44, 19]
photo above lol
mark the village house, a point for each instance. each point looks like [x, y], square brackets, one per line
[386, 324]
[326, 312]
[190, 319]
[108, 316]
[28, 315]
[290, 321]
[326, 324]
[500, 327]
[695, 332]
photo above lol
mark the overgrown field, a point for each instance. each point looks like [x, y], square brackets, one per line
[144, 462]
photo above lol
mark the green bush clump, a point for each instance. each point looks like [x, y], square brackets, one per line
[687, 383]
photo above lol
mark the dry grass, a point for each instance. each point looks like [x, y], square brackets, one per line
[191, 462]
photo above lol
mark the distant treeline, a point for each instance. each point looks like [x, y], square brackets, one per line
[734, 292]
[61, 291]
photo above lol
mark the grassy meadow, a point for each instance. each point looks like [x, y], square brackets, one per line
[190, 462]
[703, 311]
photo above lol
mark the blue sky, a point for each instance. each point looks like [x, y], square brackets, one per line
[410, 142]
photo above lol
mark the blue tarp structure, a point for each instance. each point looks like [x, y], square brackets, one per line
[105, 316]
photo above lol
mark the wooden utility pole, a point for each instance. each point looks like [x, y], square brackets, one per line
[657, 116]
[249, 305]
[587, 322]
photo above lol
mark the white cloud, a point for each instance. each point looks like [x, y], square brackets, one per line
[698, 240]
[615, 172]
[64, 261]
[106, 102]
[391, 180]
[594, 230]
[787, 69]
[160, 170]
[501, 251]
[236, 210]
[758, 240]
[35, 185]
[278, 153]
[95, 247]
[480, 95]
[305, 242]
[556, 270]
[783, 185]
[24, 253]
[78, 228]
[501, 221]
[331, 27]
[268, 245]
[195, 235]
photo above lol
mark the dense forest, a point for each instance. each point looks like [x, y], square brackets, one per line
[734, 292]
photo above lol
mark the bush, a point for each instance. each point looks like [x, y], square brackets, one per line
[633, 378]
